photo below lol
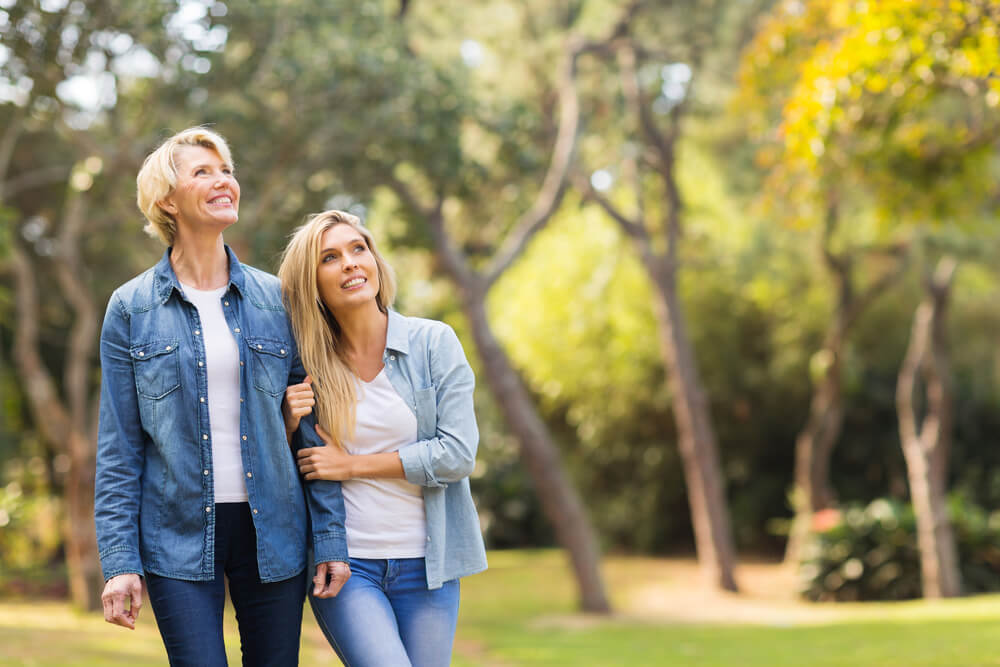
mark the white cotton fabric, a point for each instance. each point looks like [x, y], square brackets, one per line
[222, 363]
[385, 517]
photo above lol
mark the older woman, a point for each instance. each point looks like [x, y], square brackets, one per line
[195, 480]
[394, 403]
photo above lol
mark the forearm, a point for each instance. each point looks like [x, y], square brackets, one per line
[386, 465]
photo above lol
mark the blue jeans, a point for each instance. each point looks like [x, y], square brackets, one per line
[385, 615]
[189, 613]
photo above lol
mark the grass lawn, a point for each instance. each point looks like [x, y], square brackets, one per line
[521, 612]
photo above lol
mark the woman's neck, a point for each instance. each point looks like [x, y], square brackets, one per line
[200, 262]
[363, 331]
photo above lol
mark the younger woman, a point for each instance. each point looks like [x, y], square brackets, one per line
[394, 406]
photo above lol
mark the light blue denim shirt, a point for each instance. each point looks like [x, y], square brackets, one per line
[154, 493]
[426, 365]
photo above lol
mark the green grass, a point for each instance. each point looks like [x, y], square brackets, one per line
[521, 612]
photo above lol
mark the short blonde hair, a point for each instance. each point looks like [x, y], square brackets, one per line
[316, 330]
[158, 177]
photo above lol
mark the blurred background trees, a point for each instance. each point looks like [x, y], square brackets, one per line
[684, 244]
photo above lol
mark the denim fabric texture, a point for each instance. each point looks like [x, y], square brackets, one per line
[154, 498]
[385, 615]
[189, 614]
[426, 364]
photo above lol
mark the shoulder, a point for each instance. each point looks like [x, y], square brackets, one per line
[262, 288]
[137, 294]
[425, 332]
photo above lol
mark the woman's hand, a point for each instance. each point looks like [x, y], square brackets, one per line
[297, 403]
[330, 462]
[330, 578]
[122, 599]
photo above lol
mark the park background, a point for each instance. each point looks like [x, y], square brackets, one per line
[725, 270]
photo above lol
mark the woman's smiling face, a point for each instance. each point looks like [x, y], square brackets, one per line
[347, 275]
[206, 193]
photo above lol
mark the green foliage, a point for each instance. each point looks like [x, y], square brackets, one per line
[870, 552]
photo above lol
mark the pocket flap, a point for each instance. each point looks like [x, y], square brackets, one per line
[153, 349]
[268, 346]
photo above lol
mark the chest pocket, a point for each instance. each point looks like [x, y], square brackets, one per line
[157, 368]
[268, 365]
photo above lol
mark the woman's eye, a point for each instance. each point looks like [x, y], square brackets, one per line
[199, 172]
[328, 258]
[359, 248]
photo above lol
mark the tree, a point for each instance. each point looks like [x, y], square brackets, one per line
[894, 101]
[659, 89]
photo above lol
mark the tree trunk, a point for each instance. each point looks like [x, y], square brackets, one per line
[814, 447]
[696, 438]
[925, 447]
[559, 500]
[815, 443]
[58, 426]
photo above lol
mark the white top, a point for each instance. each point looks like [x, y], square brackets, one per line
[222, 361]
[385, 517]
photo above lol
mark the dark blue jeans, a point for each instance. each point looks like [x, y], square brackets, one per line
[385, 616]
[189, 613]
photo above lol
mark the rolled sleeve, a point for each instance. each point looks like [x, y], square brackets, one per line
[450, 455]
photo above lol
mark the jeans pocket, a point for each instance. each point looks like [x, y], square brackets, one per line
[157, 368]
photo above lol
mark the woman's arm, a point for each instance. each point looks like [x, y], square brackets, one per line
[447, 457]
[120, 451]
[118, 479]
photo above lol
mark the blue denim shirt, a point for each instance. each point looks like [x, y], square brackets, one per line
[426, 365]
[154, 494]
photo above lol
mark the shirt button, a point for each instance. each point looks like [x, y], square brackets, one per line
[202, 399]
[428, 538]
[204, 436]
[255, 511]
[225, 303]
[244, 437]
[282, 351]
[259, 347]
[392, 357]
[241, 400]
[169, 348]
[249, 474]
[237, 329]
[208, 509]
[197, 333]
[241, 363]
[201, 363]
[205, 472]
[142, 354]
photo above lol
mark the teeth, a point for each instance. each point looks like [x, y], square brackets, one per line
[223, 200]
[353, 281]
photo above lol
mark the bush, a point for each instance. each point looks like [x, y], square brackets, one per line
[870, 552]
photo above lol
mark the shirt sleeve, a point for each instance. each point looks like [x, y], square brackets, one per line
[450, 455]
[324, 498]
[120, 451]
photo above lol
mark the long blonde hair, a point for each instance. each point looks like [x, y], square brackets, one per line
[316, 330]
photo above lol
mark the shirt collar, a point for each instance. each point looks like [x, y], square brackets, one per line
[166, 279]
[397, 335]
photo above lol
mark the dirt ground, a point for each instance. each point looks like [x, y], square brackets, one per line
[673, 590]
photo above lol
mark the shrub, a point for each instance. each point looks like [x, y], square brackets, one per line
[870, 552]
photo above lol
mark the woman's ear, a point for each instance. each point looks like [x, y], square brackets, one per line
[167, 206]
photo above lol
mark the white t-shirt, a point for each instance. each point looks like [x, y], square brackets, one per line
[385, 517]
[222, 362]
